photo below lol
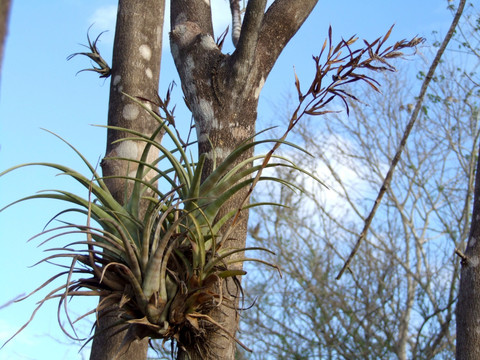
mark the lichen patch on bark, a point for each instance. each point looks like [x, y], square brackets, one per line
[148, 72]
[127, 149]
[116, 80]
[472, 241]
[259, 88]
[208, 43]
[206, 109]
[474, 261]
[145, 52]
[130, 112]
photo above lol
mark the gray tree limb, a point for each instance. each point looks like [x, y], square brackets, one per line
[135, 71]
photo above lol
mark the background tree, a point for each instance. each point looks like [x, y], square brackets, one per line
[468, 306]
[4, 13]
[398, 300]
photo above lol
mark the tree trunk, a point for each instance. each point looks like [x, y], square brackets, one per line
[4, 16]
[468, 305]
[135, 71]
[222, 92]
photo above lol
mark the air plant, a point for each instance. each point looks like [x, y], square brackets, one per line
[159, 267]
[94, 55]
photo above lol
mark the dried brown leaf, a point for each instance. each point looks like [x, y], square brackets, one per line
[352, 40]
[297, 85]
[385, 38]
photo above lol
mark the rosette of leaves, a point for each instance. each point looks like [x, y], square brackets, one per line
[163, 267]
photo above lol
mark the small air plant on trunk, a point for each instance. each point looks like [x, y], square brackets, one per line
[164, 267]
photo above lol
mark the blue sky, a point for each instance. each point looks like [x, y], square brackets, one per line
[40, 89]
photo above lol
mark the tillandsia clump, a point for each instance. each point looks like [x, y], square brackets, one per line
[160, 267]
[103, 68]
[164, 267]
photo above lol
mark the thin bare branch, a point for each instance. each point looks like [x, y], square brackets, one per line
[411, 123]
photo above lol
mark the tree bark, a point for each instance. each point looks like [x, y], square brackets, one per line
[468, 305]
[4, 16]
[222, 92]
[135, 71]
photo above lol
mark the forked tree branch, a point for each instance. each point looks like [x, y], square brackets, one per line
[247, 43]
[281, 21]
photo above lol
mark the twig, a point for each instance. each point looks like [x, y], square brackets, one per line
[461, 255]
[413, 118]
